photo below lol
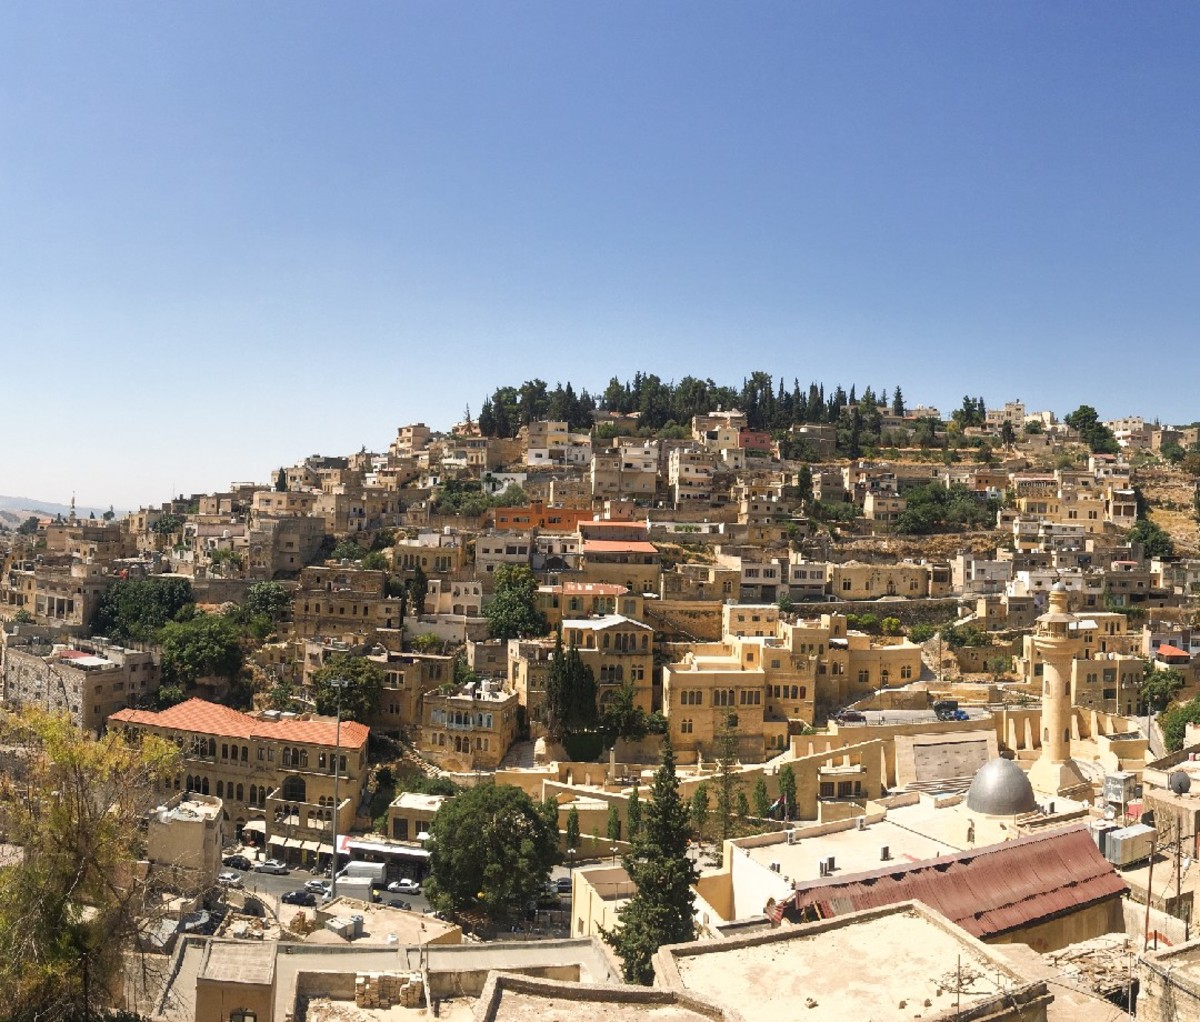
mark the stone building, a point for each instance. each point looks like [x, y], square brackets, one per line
[88, 679]
[275, 772]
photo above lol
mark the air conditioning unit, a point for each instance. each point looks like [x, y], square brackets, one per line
[791, 836]
[830, 865]
[885, 853]
[775, 867]
[861, 823]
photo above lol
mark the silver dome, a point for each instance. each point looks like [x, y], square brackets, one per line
[1000, 788]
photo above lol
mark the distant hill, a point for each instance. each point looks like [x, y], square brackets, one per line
[26, 506]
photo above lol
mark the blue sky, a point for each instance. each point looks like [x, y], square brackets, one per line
[234, 234]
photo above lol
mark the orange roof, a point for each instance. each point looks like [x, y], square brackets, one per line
[633, 546]
[1168, 650]
[205, 718]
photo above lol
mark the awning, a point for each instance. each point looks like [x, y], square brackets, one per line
[384, 848]
[311, 846]
[255, 826]
[292, 842]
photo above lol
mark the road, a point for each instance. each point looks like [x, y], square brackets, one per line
[276, 885]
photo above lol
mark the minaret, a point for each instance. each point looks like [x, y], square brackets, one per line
[1055, 772]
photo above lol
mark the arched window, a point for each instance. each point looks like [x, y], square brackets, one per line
[294, 789]
[212, 748]
[239, 794]
[220, 789]
[803, 691]
[204, 786]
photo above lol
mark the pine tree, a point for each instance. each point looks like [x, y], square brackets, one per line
[660, 911]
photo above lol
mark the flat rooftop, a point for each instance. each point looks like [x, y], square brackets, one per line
[884, 965]
[239, 962]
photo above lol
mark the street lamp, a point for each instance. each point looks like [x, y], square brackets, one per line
[339, 684]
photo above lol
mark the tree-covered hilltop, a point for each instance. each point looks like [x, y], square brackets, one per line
[768, 405]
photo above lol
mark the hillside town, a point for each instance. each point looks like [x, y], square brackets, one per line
[450, 727]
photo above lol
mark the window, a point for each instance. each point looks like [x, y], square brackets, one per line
[864, 677]
[685, 727]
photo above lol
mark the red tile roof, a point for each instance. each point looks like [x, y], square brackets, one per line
[987, 891]
[1168, 650]
[201, 717]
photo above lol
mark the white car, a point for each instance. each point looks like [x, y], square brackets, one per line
[272, 866]
[404, 886]
[319, 887]
[229, 880]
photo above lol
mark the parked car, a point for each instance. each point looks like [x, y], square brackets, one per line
[851, 717]
[299, 898]
[318, 887]
[229, 880]
[397, 903]
[237, 862]
[563, 885]
[272, 866]
[404, 886]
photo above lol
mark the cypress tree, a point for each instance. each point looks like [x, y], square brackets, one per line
[660, 911]
[633, 815]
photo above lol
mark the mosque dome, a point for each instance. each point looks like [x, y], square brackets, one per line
[1000, 788]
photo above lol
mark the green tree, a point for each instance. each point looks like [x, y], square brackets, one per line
[613, 826]
[700, 809]
[787, 790]
[1156, 541]
[491, 849]
[512, 613]
[281, 483]
[633, 814]
[167, 524]
[360, 698]
[762, 800]
[75, 810]
[741, 807]
[622, 717]
[134, 610]
[572, 832]
[346, 550]
[1008, 435]
[205, 646]
[418, 589]
[660, 911]
[728, 780]
[1159, 688]
[268, 599]
[1092, 431]
[570, 705]
[1174, 723]
[374, 560]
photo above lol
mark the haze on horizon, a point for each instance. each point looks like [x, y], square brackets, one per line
[234, 235]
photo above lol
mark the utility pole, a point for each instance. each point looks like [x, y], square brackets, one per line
[339, 684]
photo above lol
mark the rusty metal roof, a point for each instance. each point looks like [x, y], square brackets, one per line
[987, 891]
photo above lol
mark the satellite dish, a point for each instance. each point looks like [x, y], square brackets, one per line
[1110, 813]
[1180, 782]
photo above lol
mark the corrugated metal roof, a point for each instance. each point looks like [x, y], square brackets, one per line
[987, 891]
